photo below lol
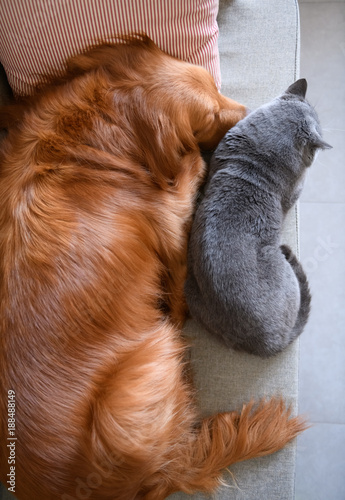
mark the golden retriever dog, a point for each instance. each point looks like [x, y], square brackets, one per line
[99, 174]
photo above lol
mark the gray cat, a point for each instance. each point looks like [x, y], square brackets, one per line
[242, 284]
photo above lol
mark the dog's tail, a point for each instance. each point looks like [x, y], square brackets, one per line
[225, 439]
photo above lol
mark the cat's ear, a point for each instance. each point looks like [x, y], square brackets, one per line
[321, 144]
[298, 88]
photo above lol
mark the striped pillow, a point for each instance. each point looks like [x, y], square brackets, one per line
[38, 36]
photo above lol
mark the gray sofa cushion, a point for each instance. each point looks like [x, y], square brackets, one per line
[259, 56]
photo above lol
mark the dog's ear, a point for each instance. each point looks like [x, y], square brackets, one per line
[210, 113]
[191, 95]
[220, 115]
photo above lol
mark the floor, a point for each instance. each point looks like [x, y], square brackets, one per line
[320, 472]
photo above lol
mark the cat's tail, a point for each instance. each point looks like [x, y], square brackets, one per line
[224, 439]
[305, 301]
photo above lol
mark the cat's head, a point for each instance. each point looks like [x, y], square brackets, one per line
[284, 133]
[303, 117]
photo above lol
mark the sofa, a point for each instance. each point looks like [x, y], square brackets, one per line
[259, 59]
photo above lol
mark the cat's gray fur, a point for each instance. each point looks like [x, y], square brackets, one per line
[243, 285]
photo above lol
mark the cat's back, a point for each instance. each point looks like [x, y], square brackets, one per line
[234, 226]
[236, 206]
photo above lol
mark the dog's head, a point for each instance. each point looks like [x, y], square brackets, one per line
[131, 100]
[185, 92]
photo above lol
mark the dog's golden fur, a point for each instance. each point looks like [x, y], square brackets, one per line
[98, 178]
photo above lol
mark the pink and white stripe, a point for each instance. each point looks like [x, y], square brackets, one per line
[38, 36]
